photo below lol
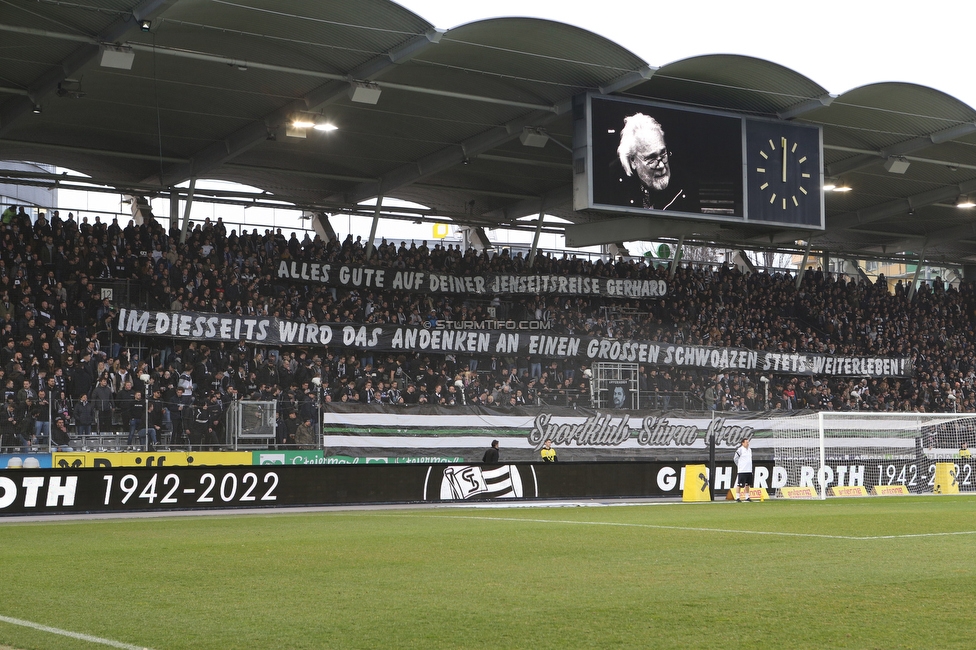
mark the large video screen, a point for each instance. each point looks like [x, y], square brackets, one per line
[651, 158]
[648, 157]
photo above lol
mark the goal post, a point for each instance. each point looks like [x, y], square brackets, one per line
[855, 448]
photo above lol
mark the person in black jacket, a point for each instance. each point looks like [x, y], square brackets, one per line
[136, 416]
[101, 398]
[82, 379]
[200, 426]
[181, 414]
[41, 415]
[84, 415]
[60, 439]
[154, 426]
[10, 432]
[287, 431]
[25, 418]
[215, 417]
[491, 456]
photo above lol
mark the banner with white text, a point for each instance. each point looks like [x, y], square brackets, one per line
[363, 277]
[269, 331]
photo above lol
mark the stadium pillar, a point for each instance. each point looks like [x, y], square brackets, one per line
[321, 226]
[969, 272]
[677, 256]
[174, 209]
[475, 237]
[803, 265]
[372, 228]
[535, 239]
[186, 211]
[918, 270]
[742, 262]
[851, 268]
[141, 209]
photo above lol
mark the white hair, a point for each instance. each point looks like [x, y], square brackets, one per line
[637, 128]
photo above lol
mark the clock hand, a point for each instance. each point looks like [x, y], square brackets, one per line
[783, 141]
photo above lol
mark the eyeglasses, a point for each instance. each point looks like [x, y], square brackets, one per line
[655, 159]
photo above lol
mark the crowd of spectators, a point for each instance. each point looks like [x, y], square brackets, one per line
[59, 344]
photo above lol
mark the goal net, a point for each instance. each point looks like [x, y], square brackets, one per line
[830, 449]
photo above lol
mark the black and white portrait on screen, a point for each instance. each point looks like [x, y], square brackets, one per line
[618, 395]
[651, 158]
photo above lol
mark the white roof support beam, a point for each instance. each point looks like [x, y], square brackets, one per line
[806, 106]
[901, 206]
[900, 149]
[449, 156]
[328, 76]
[610, 231]
[530, 262]
[918, 271]
[782, 235]
[47, 83]
[271, 67]
[456, 154]
[256, 132]
[321, 225]
[554, 199]
[628, 80]
[961, 233]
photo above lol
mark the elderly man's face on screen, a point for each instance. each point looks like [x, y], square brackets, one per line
[644, 151]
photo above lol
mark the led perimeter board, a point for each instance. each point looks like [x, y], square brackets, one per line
[650, 158]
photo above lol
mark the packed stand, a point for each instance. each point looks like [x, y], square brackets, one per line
[65, 367]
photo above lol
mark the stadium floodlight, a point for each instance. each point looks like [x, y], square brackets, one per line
[964, 202]
[897, 164]
[118, 57]
[364, 92]
[534, 137]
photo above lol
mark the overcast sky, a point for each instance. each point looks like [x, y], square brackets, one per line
[840, 44]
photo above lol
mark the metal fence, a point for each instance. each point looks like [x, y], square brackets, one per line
[251, 424]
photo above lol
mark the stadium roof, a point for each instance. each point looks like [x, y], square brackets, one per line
[213, 86]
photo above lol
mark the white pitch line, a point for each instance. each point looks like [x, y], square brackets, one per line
[696, 529]
[68, 633]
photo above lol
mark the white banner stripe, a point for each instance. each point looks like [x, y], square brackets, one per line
[505, 484]
[851, 423]
[479, 441]
[503, 471]
[400, 420]
[68, 633]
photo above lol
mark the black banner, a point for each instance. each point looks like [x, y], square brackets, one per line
[393, 338]
[53, 491]
[205, 488]
[363, 277]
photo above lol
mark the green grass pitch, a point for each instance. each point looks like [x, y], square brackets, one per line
[845, 573]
